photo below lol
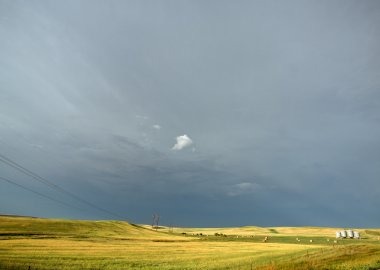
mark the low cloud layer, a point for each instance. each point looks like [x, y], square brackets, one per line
[243, 188]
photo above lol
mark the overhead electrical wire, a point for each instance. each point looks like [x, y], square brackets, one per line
[38, 193]
[43, 180]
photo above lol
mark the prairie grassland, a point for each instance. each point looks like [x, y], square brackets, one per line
[268, 231]
[38, 227]
[71, 254]
[353, 257]
[72, 245]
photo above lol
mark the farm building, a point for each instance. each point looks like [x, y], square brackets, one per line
[347, 234]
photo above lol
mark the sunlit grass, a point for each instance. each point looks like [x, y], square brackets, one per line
[164, 255]
[72, 245]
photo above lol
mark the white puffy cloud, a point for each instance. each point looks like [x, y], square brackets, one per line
[182, 142]
[158, 127]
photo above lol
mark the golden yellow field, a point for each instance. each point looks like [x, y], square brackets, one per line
[252, 230]
[73, 245]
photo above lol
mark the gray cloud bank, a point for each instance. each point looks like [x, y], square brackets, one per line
[281, 98]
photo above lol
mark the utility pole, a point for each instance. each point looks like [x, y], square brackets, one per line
[155, 221]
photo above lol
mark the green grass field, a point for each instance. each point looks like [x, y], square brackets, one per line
[33, 243]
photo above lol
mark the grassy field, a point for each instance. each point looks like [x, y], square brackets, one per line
[72, 245]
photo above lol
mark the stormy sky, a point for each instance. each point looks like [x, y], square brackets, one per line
[209, 113]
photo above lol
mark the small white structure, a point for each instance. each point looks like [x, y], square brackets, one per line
[347, 234]
[356, 235]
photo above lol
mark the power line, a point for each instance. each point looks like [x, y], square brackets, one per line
[40, 179]
[43, 180]
[38, 193]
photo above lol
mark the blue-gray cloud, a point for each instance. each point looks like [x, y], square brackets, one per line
[281, 99]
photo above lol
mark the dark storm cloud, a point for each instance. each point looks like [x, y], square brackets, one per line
[281, 102]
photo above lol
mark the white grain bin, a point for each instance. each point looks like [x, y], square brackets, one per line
[343, 234]
[350, 234]
[356, 235]
[337, 234]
